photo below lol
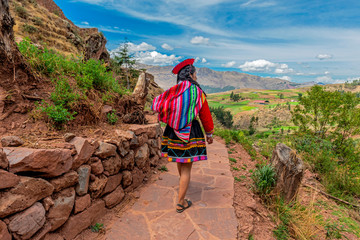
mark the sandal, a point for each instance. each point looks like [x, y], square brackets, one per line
[182, 207]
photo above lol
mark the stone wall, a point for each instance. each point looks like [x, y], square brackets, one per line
[58, 192]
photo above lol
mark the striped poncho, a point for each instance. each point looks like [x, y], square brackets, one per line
[179, 106]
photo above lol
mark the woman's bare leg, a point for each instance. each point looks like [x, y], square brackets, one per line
[185, 170]
[179, 168]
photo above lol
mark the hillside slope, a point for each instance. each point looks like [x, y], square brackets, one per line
[45, 24]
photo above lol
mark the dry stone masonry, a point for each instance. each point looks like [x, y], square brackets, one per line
[57, 193]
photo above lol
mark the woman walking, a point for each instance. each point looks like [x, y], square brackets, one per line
[183, 141]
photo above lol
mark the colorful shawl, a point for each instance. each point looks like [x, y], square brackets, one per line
[178, 107]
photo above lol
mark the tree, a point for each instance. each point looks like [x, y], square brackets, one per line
[231, 95]
[324, 113]
[124, 59]
[224, 116]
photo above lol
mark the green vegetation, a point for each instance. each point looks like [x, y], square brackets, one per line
[73, 79]
[21, 11]
[264, 179]
[29, 28]
[163, 168]
[223, 116]
[233, 160]
[112, 118]
[98, 227]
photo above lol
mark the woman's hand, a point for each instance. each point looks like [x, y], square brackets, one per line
[209, 140]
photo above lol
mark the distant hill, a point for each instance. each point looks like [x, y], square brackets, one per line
[218, 81]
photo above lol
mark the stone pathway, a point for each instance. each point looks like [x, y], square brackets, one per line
[212, 215]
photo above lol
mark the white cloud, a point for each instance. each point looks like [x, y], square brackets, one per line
[324, 79]
[262, 65]
[116, 27]
[200, 40]
[85, 23]
[167, 47]
[324, 56]
[203, 60]
[287, 78]
[156, 58]
[141, 47]
[229, 64]
[258, 4]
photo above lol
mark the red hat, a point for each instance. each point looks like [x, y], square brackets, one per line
[184, 63]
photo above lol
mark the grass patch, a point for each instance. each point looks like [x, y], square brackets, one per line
[232, 160]
[163, 168]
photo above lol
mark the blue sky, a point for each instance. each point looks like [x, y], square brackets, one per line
[297, 40]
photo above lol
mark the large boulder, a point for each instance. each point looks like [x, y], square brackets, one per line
[142, 155]
[25, 224]
[67, 180]
[84, 151]
[63, 205]
[43, 162]
[289, 170]
[8, 179]
[11, 141]
[112, 165]
[84, 176]
[83, 220]
[23, 195]
[106, 150]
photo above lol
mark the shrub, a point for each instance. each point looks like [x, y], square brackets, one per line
[264, 179]
[21, 11]
[57, 113]
[63, 94]
[224, 116]
[112, 118]
[30, 28]
[37, 21]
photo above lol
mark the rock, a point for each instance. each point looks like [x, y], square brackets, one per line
[147, 129]
[106, 150]
[289, 170]
[38, 161]
[96, 166]
[92, 177]
[53, 236]
[142, 155]
[143, 138]
[127, 179]
[4, 163]
[8, 180]
[83, 220]
[26, 193]
[114, 198]
[84, 176]
[134, 142]
[96, 187]
[154, 143]
[128, 161]
[82, 203]
[154, 161]
[106, 109]
[84, 151]
[42, 232]
[63, 205]
[99, 132]
[69, 136]
[48, 202]
[4, 233]
[112, 183]
[137, 178]
[112, 165]
[124, 148]
[11, 141]
[27, 223]
[67, 180]
[124, 135]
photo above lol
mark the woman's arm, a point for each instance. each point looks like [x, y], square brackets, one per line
[206, 120]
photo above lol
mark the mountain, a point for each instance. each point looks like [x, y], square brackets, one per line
[219, 81]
